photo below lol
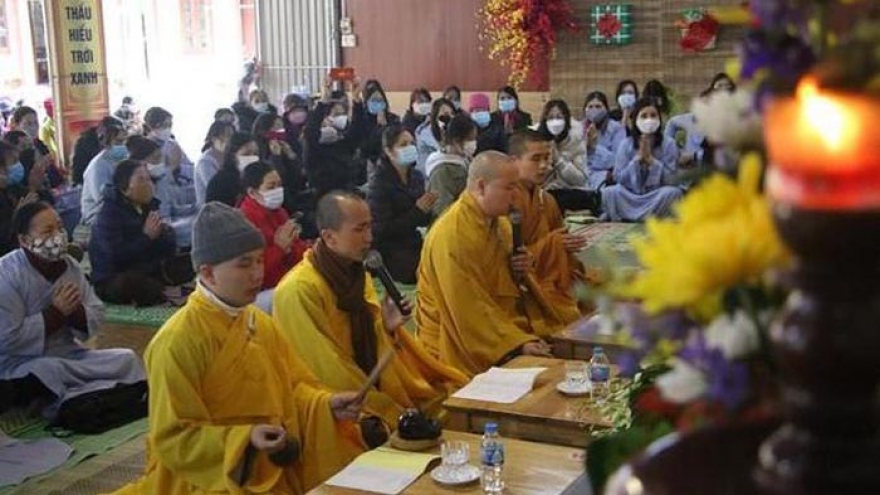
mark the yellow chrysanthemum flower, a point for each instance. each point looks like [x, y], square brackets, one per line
[722, 236]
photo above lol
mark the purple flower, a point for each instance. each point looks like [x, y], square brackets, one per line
[778, 14]
[786, 57]
[728, 380]
[629, 363]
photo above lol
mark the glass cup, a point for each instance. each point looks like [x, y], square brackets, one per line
[455, 455]
[576, 375]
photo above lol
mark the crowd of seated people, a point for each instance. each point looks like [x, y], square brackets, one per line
[286, 206]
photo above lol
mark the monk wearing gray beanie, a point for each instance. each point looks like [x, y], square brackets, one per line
[221, 233]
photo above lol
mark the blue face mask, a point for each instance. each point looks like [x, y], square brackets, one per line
[407, 155]
[15, 174]
[626, 100]
[375, 106]
[507, 105]
[117, 153]
[481, 118]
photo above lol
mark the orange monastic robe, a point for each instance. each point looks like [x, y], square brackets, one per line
[471, 313]
[556, 270]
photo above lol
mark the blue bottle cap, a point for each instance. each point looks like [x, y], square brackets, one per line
[598, 350]
[491, 428]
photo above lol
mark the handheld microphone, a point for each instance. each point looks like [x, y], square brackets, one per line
[376, 267]
[515, 217]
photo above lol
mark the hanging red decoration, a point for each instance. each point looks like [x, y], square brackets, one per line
[522, 34]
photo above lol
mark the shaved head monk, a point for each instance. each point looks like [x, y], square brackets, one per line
[327, 308]
[473, 308]
[544, 232]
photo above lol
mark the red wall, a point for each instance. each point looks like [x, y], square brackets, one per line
[408, 44]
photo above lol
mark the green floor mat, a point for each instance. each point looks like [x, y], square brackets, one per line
[151, 316]
[609, 243]
[20, 425]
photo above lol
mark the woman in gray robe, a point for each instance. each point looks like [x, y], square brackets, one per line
[47, 310]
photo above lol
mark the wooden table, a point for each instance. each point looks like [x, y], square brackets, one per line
[529, 468]
[574, 344]
[543, 415]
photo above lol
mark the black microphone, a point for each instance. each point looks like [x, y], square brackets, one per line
[515, 217]
[377, 268]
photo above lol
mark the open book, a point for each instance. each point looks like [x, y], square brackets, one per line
[500, 385]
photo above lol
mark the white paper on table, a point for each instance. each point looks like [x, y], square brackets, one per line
[384, 470]
[23, 459]
[503, 385]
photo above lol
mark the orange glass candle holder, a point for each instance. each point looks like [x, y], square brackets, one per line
[824, 150]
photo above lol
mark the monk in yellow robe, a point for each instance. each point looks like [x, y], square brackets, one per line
[328, 310]
[473, 309]
[231, 409]
[544, 232]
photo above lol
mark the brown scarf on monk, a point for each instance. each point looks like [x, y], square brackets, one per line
[347, 280]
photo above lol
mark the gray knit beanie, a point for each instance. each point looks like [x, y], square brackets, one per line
[221, 233]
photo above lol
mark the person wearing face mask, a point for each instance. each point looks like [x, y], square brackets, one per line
[248, 111]
[419, 109]
[296, 112]
[273, 148]
[149, 153]
[429, 135]
[158, 123]
[655, 90]
[262, 205]
[36, 153]
[331, 141]
[47, 308]
[626, 96]
[447, 168]
[133, 252]
[453, 95]
[693, 142]
[602, 136]
[490, 131]
[213, 151]
[226, 186]
[645, 168]
[99, 173]
[399, 204]
[567, 179]
[509, 114]
[374, 124]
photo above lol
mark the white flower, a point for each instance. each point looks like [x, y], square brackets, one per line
[683, 383]
[729, 119]
[736, 337]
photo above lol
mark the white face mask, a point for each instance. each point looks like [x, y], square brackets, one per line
[340, 122]
[273, 198]
[156, 170]
[470, 147]
[328, 135]
[51, 248]
[421, 108]
[648, 126]
[245, 160]
[261, 107]
[556, 126]
[163, 134]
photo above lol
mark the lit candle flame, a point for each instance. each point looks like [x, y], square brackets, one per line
[826, 117]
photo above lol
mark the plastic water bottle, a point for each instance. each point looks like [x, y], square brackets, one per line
[492, 460]
[600, 374]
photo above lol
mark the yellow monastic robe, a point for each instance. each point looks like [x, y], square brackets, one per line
[471, 313]
[212, 377]
[556, 270]
[305, 311]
